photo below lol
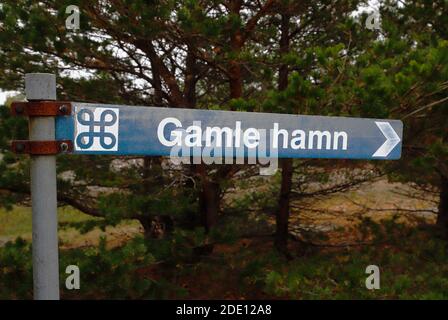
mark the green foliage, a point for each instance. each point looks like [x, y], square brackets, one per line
[16, 270]
[413, 268]
[110, 273]
[12, 172]
[104, 273]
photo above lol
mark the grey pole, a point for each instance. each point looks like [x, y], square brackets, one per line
[42, 86]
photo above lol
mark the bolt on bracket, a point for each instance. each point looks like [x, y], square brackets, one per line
[44, 108]
[35, 147]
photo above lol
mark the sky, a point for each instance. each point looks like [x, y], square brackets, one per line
[5, 94]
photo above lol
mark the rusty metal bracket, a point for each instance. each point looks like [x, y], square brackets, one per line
[41, 147]
[42, 108]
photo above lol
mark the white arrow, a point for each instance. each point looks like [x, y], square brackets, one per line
[392, 139]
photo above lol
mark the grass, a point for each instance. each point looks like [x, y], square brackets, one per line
[18, 223]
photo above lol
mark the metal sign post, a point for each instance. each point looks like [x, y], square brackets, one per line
[83, 128]
[42, 86]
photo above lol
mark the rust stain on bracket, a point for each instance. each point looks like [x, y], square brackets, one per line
[41, 147]
[41, 108]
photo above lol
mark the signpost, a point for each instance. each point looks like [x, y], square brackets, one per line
[43, 193]
[153, 131]
[82, 128]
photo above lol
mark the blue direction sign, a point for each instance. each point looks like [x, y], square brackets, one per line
[133, 130]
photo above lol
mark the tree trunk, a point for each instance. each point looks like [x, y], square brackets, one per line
[236, 42]
[282, 218]
[442, 217]
[209, 199]
[210, 194]
[146, 224]
[152, 176]
[209, 204]
[156, 227]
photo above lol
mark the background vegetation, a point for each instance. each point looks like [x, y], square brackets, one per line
[140, 228]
